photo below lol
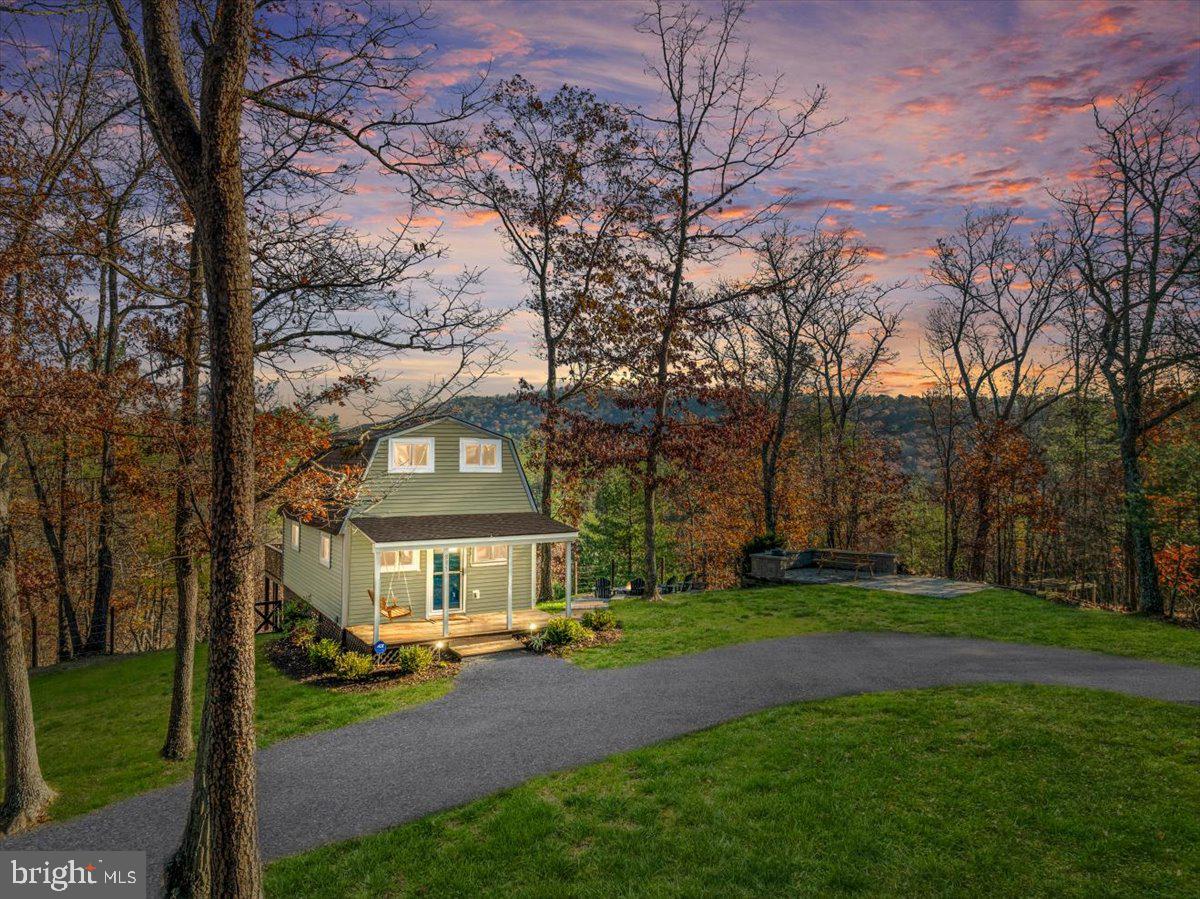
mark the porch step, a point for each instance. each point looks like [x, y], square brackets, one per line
[484, 645]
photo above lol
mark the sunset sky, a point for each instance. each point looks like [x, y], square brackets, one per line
[946, 105]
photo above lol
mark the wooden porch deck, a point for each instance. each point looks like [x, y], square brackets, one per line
[429, 630]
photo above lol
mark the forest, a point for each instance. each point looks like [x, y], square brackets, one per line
[185, 325]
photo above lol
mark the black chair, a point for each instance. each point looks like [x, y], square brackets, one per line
[671, 586]
[604, 588]
[637, 587]
[686, 586]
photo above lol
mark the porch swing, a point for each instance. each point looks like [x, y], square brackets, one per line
[390, 607]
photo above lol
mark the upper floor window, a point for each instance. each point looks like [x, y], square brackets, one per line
[410, 454]
[478, 454]
[294, 527]
[326, 550]
[490, 555]
[398, 560]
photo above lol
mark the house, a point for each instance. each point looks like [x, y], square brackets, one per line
[440, 541]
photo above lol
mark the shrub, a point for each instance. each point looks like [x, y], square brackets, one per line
[414, 659]
[303, 633]
[760, 544]
[353, 666]
[537, 642]
[295, 614]
[563, 631]
[560, 592]
[323, 655]
[599, 620]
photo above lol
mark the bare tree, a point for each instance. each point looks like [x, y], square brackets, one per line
[991, 332]
[558, 174]
[850, 335]
[719, 129]
[45, 123]
[1135, 230]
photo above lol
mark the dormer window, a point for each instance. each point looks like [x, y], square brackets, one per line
[478, 454]
[410, 454]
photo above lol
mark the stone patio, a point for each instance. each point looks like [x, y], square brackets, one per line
[914, 585]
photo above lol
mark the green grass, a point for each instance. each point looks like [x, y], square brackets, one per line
[698, 621]
[986, 790]
[100, 726]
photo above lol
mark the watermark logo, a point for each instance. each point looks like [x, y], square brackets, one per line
[88, 875]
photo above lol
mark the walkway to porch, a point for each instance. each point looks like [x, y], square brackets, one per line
[422, 630]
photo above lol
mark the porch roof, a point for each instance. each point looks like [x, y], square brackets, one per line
[490, 526]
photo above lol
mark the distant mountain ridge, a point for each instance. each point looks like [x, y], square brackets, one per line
[900, 417]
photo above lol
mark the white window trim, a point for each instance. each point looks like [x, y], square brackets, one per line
[325, 550]
[483, 441]
[428, 468]
[294, 535]
[490, 562]
[414, 565]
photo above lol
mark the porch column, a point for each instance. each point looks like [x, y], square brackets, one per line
[378, 598]
[533, 548]
[570, 554]
[446, 591]
[508, 610]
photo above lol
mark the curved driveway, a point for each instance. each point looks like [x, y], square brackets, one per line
[515, 716]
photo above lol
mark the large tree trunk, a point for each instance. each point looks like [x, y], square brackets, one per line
[1139, 545]
[178, 744]
[977, 565]
[26, 794]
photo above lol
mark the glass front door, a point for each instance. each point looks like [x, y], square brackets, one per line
[455, 581]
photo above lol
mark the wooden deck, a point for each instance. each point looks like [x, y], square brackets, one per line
[429, 630]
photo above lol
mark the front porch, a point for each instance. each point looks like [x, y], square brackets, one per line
[421, 630]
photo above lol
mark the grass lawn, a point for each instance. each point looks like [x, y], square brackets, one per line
[985, 790]
[100, 726]
[697, 621]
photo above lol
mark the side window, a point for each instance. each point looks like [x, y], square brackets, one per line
[490, 555]
[398, 560]
[478, 454]
[294, 526]
[326, 550]
[410, 454]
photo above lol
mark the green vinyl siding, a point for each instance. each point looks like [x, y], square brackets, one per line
[306, 576]
[445, 490]
[490, 580]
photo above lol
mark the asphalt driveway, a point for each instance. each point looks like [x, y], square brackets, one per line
[515, 716]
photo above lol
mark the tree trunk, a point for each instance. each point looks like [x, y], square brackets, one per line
[1139, 546]
[97, 637]
[26, 794]
[55, 533]
[550, 432]
[977, 564]
[178, 744]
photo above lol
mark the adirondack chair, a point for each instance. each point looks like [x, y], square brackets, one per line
[637, 587]
[671, 585]
[604, 588]
[688, 583]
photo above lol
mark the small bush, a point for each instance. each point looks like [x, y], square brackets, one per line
[560, 592]
[563, 631]
[414, 659]
[599, 620]
[353, 666]
[323, 655]
[303, 633]
[537, 642]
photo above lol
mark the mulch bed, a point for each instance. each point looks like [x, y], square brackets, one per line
[595, 638]
[292, 660]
